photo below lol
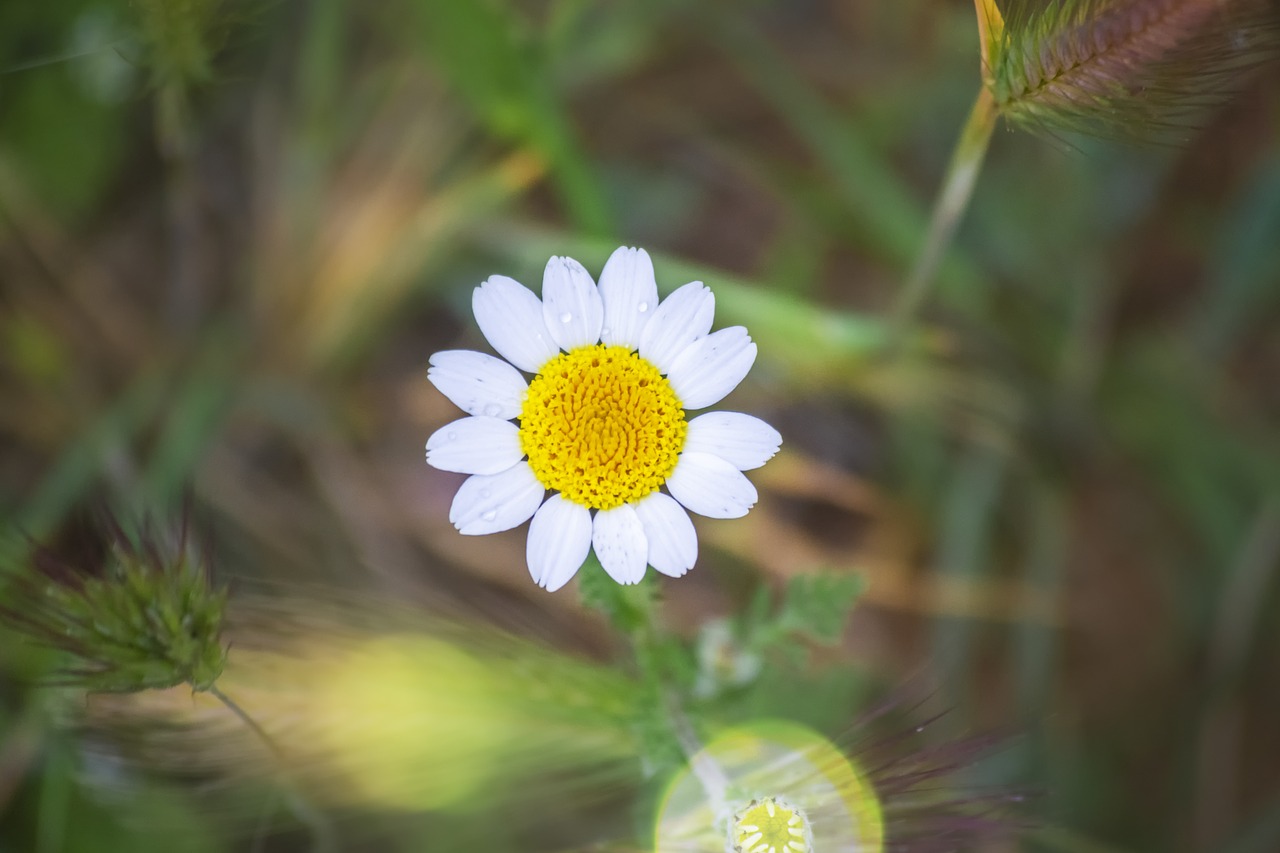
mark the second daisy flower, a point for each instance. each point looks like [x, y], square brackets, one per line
[603, 423]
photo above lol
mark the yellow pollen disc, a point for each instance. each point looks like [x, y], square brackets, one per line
[602, 426]
[770, 826]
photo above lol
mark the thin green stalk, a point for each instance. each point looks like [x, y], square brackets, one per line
[962, 174]
[709, 774]
[249, 721]
[322, 832]
[633, 611]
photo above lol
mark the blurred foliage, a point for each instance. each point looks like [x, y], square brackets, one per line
[231, 235]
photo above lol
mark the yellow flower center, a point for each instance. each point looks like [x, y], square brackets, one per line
[769, 826]
[602, 426]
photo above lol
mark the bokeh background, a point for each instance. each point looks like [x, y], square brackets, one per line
[232, 233]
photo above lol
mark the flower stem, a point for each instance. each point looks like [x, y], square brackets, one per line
[308, 815]
[709, 774]
[962, 174]
[665, 734]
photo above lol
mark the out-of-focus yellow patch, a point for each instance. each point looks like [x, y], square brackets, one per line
[412, 721]
[460, 719]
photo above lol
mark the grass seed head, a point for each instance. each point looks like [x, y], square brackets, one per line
[132, 613]
[1124, 68]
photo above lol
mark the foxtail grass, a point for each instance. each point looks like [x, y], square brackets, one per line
[1131, 69]
[1126, 68]
[129, 613]
[181, 40]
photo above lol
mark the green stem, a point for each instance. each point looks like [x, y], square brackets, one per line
[962, 174]
[709, 774]
[322, 832]
[249, 721]
[633, 610]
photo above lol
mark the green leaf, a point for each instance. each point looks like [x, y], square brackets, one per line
[626, 607]
[817, 606]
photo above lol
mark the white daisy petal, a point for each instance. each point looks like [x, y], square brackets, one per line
[475, 446]
[710, 486]
[490, 503]
[510, 316]
[711, 367]
[478, 384]
[619, 540]
[741, 440]
[681, 319]
[630, 295]
[571, 306]
[673, 543]
[673, 337]
[559, 540]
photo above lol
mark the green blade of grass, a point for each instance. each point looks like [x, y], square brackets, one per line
[1245, 265]
[893, 222]
[964, 554]
[483, 50]
[81, 463]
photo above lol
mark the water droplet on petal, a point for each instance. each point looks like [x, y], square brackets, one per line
[484, 493]
[566, 317]
[642, 307]
[490, 515]
[492, 410]
[604, 331]
[452, 436]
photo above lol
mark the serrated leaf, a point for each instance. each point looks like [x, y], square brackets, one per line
[817, 606]
[626, 607]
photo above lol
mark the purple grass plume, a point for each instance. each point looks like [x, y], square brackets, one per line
[1123, 68]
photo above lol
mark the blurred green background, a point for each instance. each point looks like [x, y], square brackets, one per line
[232, 233]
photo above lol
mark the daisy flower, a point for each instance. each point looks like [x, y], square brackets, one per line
[603, 424]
